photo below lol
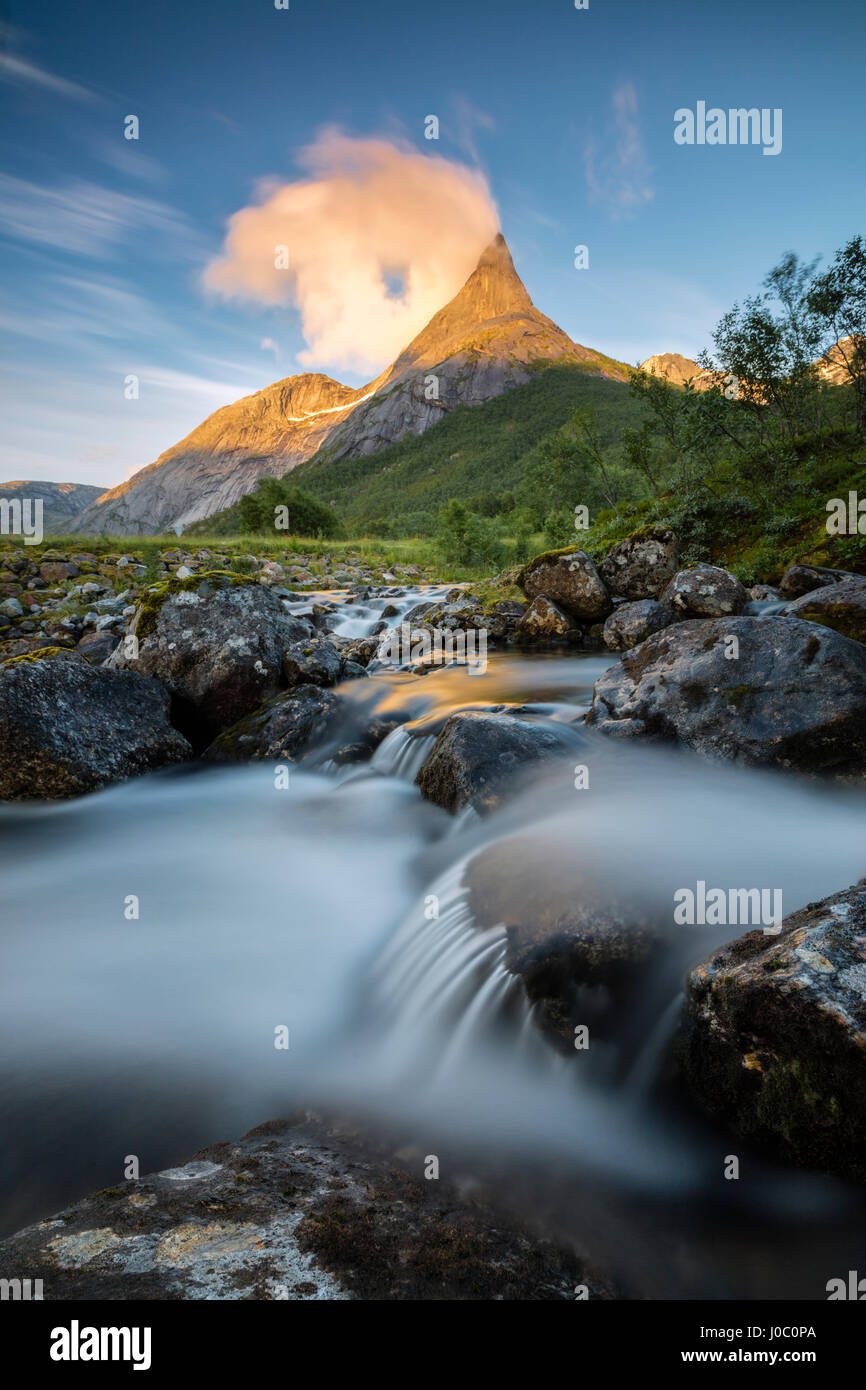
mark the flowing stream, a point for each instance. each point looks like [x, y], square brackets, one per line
[309, 908]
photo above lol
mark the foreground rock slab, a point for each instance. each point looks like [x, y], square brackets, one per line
[67, 727]
[794, 696]
[773, 1039]
[292, 1211]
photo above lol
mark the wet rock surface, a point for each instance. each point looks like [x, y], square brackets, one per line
[795, 696]
[293, 1211]
[479, 754]
[284, 728]
[773, 1037]
[67, 727]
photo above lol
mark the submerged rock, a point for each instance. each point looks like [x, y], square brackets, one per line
[570, 580]
[705, 592]
[67, 727]
[579, 953]
[793, 696]
[640, 566]
[478, 755]
[773, 1038]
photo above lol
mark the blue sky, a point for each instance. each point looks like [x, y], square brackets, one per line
[569, 114]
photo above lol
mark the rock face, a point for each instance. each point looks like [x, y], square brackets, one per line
[794, 697]
[641, 566]
[630, 623]
[678, 370]
[839, 606]
[67, 727]
[216, 642]
[478, 753]
[293, 1211]
[571, 581]
[705, 592]
[773, 1032]
[488, 338]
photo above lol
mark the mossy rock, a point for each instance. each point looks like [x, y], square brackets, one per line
[153, 598]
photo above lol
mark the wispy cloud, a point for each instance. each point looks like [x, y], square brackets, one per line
[23, 74]
[618, 173]
[82, 217]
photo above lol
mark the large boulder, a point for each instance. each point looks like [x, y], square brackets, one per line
[479, 753]
[772, 1040]
[571, 580]
[216, 642]
[631, 623]
[705, 592]
[642, 565]
[786, 693]
[67, 727]
[840, 606]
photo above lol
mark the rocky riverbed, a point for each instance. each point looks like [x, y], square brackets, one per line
[624, 728]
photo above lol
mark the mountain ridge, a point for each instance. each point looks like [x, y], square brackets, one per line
[486, 339]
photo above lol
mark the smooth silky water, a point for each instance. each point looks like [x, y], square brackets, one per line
[308, 907]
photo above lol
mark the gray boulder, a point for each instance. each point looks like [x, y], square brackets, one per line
[544, 621]
[313, 662]
[67, 727]
[478, 754]
[630, 623]
[570, 580]
[794, 694]
[641, 566]
[215, 641]
[705, 592]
